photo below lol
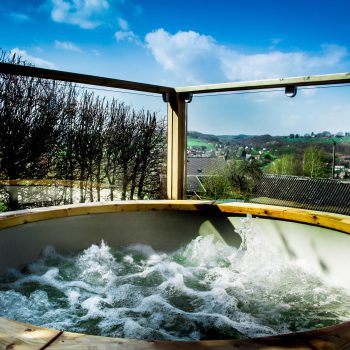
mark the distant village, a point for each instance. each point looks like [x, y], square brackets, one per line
[266, 148]
[310, 171]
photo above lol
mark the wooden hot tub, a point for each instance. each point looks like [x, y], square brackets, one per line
[321, 239]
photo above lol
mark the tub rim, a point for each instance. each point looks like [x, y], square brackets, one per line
[333, 221]
[14, 333]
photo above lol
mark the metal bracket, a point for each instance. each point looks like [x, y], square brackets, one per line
[187, 97]
[291, 90]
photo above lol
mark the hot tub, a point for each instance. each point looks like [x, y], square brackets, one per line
[320, 239]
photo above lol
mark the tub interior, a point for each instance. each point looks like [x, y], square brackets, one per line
[324, 250]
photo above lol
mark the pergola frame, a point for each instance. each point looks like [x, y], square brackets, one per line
[176, 99]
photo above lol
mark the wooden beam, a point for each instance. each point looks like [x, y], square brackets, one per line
[22, 336]
[8, 68]
[177, 146]
[15, 69]
[340, 78]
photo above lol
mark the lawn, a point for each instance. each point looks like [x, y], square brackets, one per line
[191, 142]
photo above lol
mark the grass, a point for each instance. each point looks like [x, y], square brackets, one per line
[199, 143]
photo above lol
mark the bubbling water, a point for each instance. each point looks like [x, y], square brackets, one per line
[206, 290]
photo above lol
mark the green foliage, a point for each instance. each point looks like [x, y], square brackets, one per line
[284, 165]
[236, 180]
[310, 163]
[3, 207]
[216, 187]
[313, 165]
[268, 157]
[203, 137]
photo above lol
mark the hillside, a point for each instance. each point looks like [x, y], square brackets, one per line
[196, 138]
[272, 152]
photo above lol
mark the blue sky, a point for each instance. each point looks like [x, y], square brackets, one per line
[179, 43]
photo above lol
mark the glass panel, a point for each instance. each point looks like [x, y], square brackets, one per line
[63, 143]
[264, 147]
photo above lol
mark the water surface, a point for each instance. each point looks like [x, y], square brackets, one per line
[205, 290]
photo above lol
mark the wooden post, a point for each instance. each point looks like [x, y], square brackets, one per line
[177, 146]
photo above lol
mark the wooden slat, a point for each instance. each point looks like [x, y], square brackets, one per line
[15, 69]
[340, 78]
[76, 341]
[330, 338]
[21, 336]
[53, 183]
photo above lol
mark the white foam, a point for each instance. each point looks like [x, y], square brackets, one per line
[128, 259]
[73, 296]
[204, 288]
[141, 248]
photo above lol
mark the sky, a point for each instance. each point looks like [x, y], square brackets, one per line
[179, 43]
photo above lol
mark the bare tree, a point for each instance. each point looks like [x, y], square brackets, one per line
[88, 145]
[150, 156]
[30, 110]
[111, 137]
[134, 151]
[66, 165]
[51, 130]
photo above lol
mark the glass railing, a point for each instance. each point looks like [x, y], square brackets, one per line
[64, 143]
[271, 149]
[70, 138]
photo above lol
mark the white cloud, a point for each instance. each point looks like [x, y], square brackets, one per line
[39, 62]
[123, 24]
[86, 14]
[96, 53]
[19, 17]
[277, 64]
[126, 36]
[194, 57]
[172, 50]
[67, 45]
[187, 54]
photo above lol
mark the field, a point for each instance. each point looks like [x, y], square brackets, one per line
[327, 140]
[191, 142]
